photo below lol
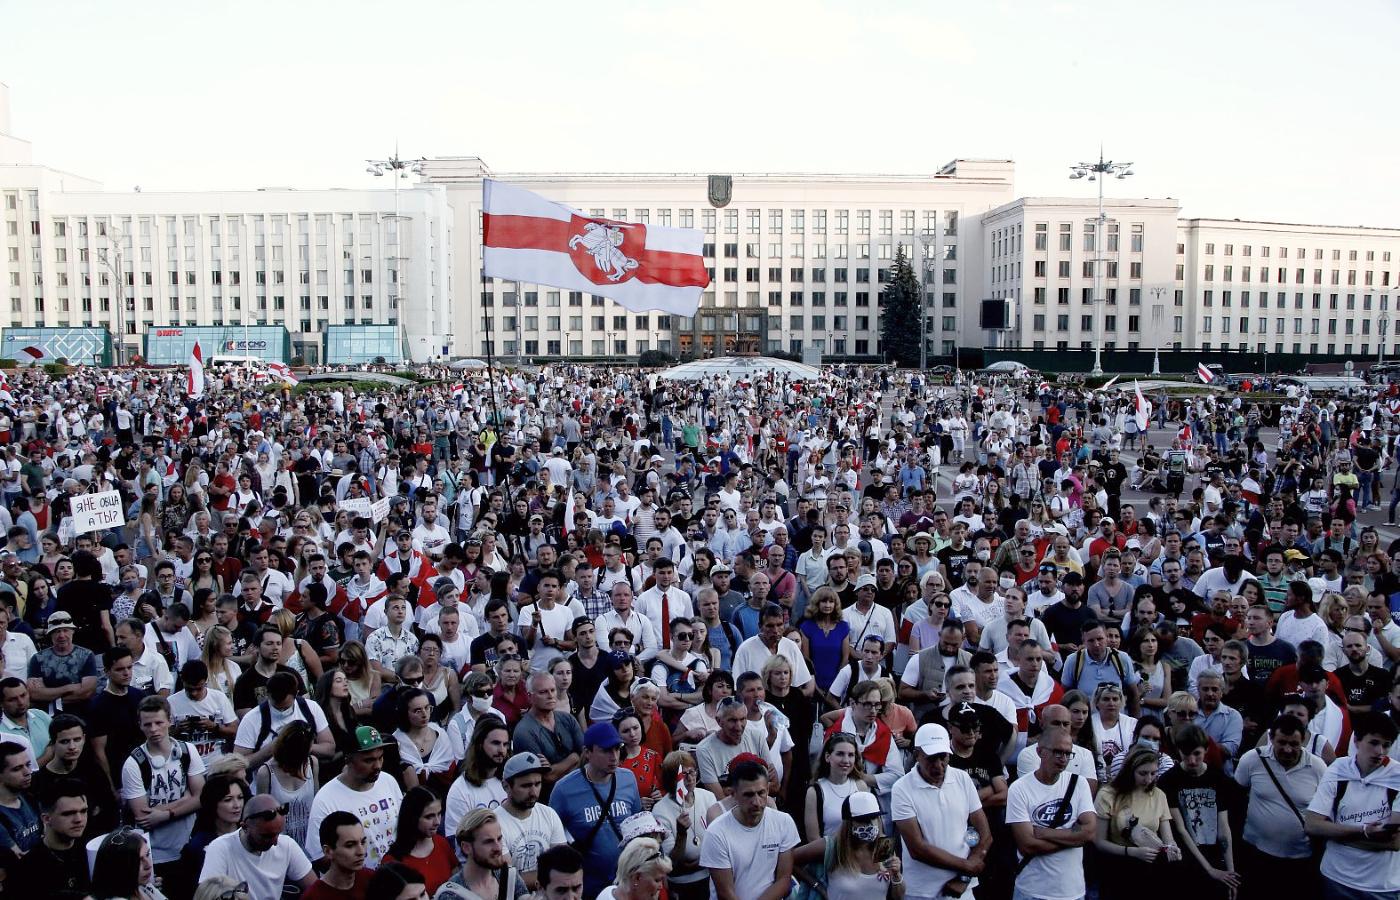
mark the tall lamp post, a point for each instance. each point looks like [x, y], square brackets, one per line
[1098, 171]
[112, 259]
[926, 239]
[398, 169]
[1158, 314]
[1380, 345]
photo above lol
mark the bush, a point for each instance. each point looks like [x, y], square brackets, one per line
[56, 368]
[9, 364]
[298, 361]
[655, 359]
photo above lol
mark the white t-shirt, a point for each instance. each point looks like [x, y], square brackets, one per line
[941, 814]
[752, 654]
[377, 809]
[264, 872]
[527, 838]
[185, 644]
[19, 648]
[252, 723]
[464, 797]
[750, 853]
[1366, 801]
[1295, 630]
[169, 782]
[216, 706]
[879, 622]
[1082, 763]
[1053, 876]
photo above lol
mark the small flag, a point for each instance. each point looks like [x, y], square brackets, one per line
[196, 379]
[1108, 384]
[34, 353]
[1204, 373]
[1142, 410]
[283, 372]
[569, 513]
[457, 391]
[1043, 388]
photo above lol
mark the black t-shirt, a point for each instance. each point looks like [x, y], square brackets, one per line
[85, 601]
[954, 560]
[483, 648]
[1065, 623]
[251, 687]
[45, 872]
[587, 680]
[1265, 660]
[321, 632]
[996, 731]
[115, 718]
[1200, 799]
[981, 765]
[1365, 689]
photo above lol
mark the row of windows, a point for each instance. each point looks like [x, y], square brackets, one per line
[1299, 253]
[620, 347]
[1261, 325]
[1005, 243]
[1110, 296]
[1334, 301]
[217, 305]
[1299, 275]
[1110, 323]
[1041, 267]
[797, 220]
[130, 327]
[553, 323]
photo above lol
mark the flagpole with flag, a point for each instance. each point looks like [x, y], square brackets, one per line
[195, 384]
[1142, 410]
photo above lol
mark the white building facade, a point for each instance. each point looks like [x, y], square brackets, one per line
[305, 260]
[1280, 288]
[797, 261]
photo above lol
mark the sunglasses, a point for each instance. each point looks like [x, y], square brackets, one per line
[267, 815]
[235, 893]
[684, 636]
[937, 605]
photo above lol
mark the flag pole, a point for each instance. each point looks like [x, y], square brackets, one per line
[491, 365]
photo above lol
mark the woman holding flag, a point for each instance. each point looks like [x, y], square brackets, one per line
[681, 811]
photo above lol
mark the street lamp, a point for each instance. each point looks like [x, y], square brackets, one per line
[116, 239]
[1382, 323]
[1158, 314]
[926, 239]
[1098, 171]
[399, 169]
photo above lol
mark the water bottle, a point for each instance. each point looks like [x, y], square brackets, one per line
[973, 838]
[779, 719]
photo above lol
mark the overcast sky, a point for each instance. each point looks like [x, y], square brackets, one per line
[1241, 109]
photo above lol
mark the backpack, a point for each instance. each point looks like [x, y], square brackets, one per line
[1078, 664]
[265, 710]
[178, 751]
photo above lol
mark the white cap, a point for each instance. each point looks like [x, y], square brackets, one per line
[933, 739]
[865, 581]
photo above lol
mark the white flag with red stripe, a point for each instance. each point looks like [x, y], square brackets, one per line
[195, 385]
[643, 267]
[283, 373]
[569, 513]
[1204, 373]
[457, 391]
[1142, 410]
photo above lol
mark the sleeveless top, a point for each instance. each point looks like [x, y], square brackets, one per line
[298, 665]
[298, 803]
[832, 797]
[439, 691]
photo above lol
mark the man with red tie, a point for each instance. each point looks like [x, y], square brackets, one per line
[665, 600]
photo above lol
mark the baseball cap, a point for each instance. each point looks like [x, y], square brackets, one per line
[404, 533]
[524, 764]
[743, 758]
[860, 805]
[57, 621]
[442, 584]
[1133, 544]
[367, 738]
[721, 569]
[865, 581]
[932, 739]
[963, 715]
[1295, 555]
[602, 735]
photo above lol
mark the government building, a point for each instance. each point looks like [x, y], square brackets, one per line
[797, 263]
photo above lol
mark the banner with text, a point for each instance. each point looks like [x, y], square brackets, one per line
[94, 512]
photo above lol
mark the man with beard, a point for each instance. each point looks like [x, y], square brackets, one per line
[528, 827]
[1230, 575]
[487, 873]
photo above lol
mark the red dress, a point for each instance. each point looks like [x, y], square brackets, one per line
[647, 767]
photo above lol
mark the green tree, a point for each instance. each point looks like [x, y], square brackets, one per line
[899, 313]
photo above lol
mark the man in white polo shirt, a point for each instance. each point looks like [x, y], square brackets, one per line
[755, 651]
[933, 805]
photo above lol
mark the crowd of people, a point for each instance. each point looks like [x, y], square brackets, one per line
[586, 632]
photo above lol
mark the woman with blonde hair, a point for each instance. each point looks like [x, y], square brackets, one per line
[1134, 830]
[641, 872]
[364, 680]
[217, 655]
[222, 887]
[297, 655]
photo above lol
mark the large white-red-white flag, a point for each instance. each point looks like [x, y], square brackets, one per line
[643, 267]
[1204, 373]
[1142, 410]
[282, 372]
[195, 384]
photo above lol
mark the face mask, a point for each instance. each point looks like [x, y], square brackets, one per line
[481, 704]
[128, 584]
[1007, 581]
[984, 555]
[867, 833]
[1150, 743]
